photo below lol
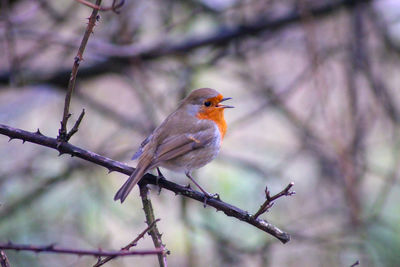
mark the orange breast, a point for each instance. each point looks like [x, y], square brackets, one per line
[217, 116]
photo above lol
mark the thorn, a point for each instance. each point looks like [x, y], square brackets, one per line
[38, 132]
[51, 246]
[11, 138]
[98, 18]
[188, 186]
[110, 171]
[77, 61]
[23, 141]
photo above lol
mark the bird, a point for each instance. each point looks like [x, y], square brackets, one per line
[189, 138]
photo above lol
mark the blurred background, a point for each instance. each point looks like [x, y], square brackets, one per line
[315, 84]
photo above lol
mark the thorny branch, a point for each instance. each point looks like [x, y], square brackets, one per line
[269, 202]
[3, 259]
[81, 252]
[62, 133]
[111, 165]
[101, 261]
[154, 233]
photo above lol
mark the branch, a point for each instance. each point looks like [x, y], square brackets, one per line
[81, 252]
[111, 165]
[154, 233]
[120, 56]
[127, 247]
[270, 200]
[62, 133]
[3, 259]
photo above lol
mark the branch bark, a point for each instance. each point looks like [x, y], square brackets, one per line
[150, 220]
[112, 165]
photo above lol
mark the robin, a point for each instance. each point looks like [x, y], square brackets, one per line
[187, 139]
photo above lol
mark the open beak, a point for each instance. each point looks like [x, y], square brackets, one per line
[225, 106]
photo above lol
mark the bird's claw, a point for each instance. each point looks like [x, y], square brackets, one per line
[208, 196]
[159, 177]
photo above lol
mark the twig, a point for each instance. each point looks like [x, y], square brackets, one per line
[154, 233]
[114, 7]
[62, 133]
[81, 252]
[3, 259]
[127, 247]
[111, 165]
[76, 125]
[270, 200]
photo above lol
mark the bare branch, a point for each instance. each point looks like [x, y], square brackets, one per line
[127, 247]
[62, 133]
[270, 200]
[81, 252]
[111, 165]
[76, 125]
[154, 233]
[3, 259]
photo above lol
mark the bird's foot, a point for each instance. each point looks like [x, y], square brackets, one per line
[159, 177]
[208, 196]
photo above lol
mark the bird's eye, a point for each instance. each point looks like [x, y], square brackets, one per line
[207, 103]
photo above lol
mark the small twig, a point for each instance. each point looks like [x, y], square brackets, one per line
[154, 233]
[62, 133]
[3, 259]
[114, 7]
[127, 247]
[270, 200]
[76, 125]
[81, 252]
[355, 264]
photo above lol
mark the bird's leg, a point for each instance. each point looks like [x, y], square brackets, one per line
[159, 176]
[207, 195]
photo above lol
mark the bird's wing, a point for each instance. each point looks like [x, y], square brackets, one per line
[179, 145]
[139, 152]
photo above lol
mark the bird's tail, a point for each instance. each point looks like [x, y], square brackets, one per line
[135, 177]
